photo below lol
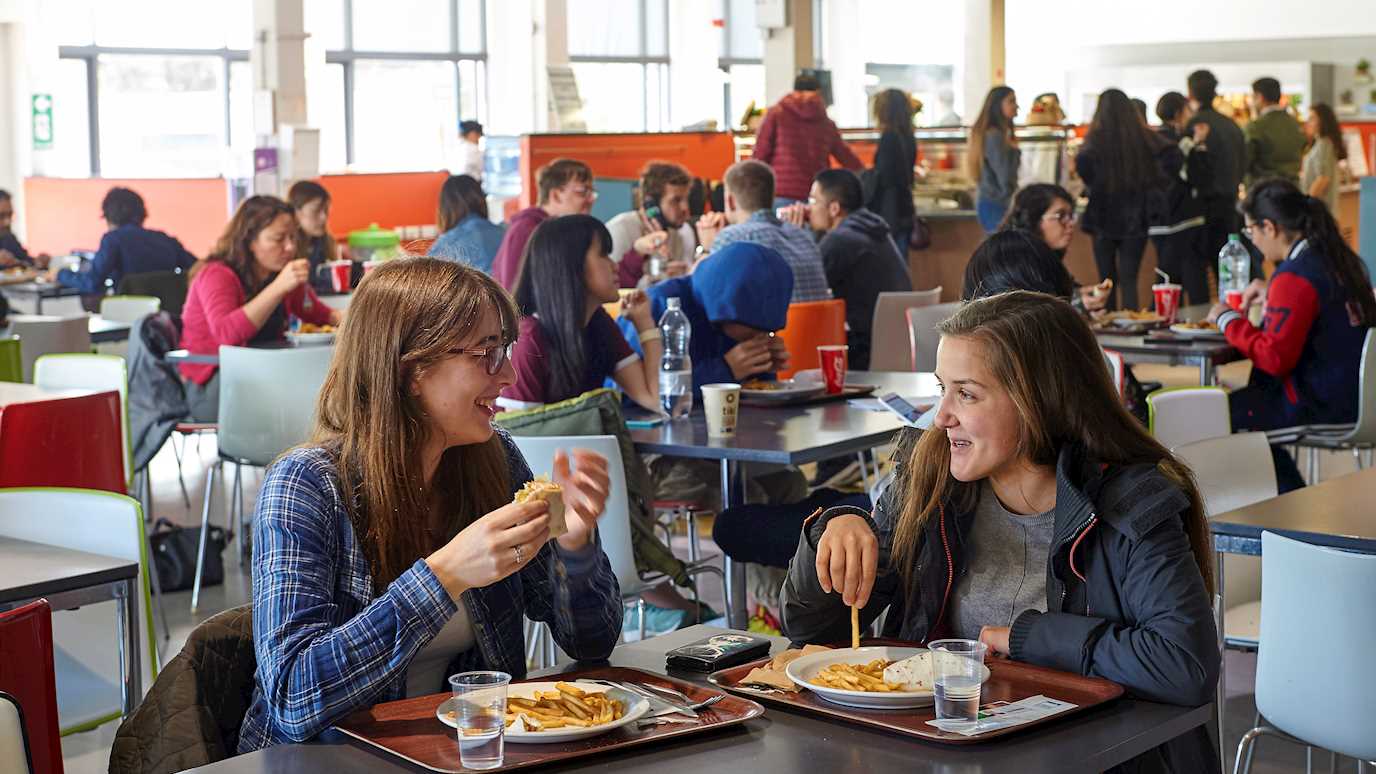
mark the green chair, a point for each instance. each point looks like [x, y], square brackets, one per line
[11, 360]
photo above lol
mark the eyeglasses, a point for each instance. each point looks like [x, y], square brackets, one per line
[585, 191]
[1064, 217]
[493, 357]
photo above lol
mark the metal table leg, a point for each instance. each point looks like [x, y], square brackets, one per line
[733, 493]
[1206, 372]
[126, 619]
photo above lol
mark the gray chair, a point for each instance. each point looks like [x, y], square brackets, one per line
[14, 739]
[922, 335]
[889, 347]
[43, 334]
[1359, 437]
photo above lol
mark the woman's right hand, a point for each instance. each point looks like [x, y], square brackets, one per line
[1255, 291]
[292, 276]
[655, 242]
[848, 559]
[485, 552]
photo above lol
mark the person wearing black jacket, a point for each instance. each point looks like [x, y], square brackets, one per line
[1228, 154]
[1179, 237]
[1037, 516]
[860, 258]
[894, 160]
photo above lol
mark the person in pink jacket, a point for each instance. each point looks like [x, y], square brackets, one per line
[245, 293]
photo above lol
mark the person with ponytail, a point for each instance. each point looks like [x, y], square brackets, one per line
[1306, 355]
[1038, 516]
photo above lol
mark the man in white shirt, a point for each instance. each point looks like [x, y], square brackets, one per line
[655, 240]
[470, 154]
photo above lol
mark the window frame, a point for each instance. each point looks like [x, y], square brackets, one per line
[728, 59]
[645, 61]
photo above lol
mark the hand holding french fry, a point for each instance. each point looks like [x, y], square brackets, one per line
[848, 559]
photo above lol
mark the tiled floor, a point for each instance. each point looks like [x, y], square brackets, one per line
[88, 753]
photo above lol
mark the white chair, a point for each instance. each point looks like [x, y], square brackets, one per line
[14, 738]
[1180, 415]
[922, 335]
[86, 665]
[1117, 369]
[267, 405]
[47, 334]
[889, 347]
[1315, 682]
[1233, 471]
[1359, 437]
[128, 309]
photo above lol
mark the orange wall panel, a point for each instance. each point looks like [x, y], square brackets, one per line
[62, 214]
[389, 200]
[705, 154]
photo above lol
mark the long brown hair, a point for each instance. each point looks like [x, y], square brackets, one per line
[459, 196]
[893, 112]
[233, 247]
[407, 316]
[1330, 128]
[1043, 353]
[991, 119]
[1126, 147]
[301, 193]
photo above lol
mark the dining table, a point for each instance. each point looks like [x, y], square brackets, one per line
[784, 435]
[785, 741]
[177, 356]
[105, 331]
[40, 290]
[1205, 353]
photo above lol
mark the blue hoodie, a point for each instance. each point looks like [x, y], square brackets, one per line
[744, 282]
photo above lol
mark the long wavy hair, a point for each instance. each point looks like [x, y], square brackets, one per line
[1030, 203]
[459, 196]
[1126, 147]
[233, 248]
[991, 119]
[406, 317]
[301, 193]
[1041, 351]
[1330, 128]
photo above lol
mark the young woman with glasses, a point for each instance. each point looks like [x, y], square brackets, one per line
[1046, 212]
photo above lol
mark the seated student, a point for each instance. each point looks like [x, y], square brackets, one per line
[1035, 516]
[636, 237]
[12, 253]
[568, 344]
[466, 235]
[127, 248]
[428, 568]
[859, 255]
[565, 188]
[315, 243]
[243, 293]
[1306, 356]
[1047, 212]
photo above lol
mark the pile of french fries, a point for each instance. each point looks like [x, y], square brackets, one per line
[856, 677]
[567, 706]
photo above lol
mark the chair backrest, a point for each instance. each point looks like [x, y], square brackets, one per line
[89, 372]
[1117, 371]
[1365, 429]
[14, 739]
[922, 335]
[169, 287]
[1325, 695]
[267, 399]
[889, 346]
[46, 334]
[614, 528]
[27, 674]
[811, 324]
[128, 309]
[1180, 415]
[11, 360]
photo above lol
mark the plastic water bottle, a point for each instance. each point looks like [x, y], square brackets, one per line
[1234, 266]
[675, 368]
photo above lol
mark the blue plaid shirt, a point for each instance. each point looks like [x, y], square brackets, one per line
[793, 243]
[327, 645]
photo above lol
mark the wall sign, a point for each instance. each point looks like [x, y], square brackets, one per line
[42, 121]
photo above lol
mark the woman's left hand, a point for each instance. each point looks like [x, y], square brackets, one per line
[996, 638]
[1217, 310]
[635, 306]
[585, 494]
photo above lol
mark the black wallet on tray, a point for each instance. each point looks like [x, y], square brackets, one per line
[717, 652]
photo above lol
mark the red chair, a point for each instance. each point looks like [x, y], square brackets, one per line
[811, 324]
[26, 673]
[63, 441]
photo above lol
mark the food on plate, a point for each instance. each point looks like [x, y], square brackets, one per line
[313, 328]
[567, 706]
[541, 488]
[911, 674]
[1134, 315]
[761, 384]
[1202, 325]
[856, 677]
[774, 674]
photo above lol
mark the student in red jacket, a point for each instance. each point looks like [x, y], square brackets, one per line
[565, 188]
[1306, 354]
[797, 138]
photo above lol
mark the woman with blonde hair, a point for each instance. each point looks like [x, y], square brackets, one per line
[387, 551]
[1036, 516]
[992, 157]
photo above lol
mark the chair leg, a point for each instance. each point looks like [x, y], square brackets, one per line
[1313, 466]
[640, 611]
[177, 452]
[1243, 762]
[205, 533]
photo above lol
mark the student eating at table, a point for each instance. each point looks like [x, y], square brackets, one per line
[1046, 212]
[315, 243]
[1306, 356]
[126, 248]
[243, 293]
[1036, 516]
[568, 343]
[387, 551]
[12, 253]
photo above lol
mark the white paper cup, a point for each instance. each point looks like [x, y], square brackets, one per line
[722, 404]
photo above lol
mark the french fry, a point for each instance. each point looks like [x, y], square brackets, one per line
[854, 626]
[571, 690]
[565, 707]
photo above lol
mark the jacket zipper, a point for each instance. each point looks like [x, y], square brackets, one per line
[950, 575]
[1093, 519]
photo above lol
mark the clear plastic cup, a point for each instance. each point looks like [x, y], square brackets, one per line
[721, 405]
[480, 699]
[957, 675]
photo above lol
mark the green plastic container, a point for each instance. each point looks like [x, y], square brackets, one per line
[374, 244]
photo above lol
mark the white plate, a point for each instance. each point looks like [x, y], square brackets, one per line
[1129, 322]
[1196, 333]
[636, 707]
[308, 339]
[801, 671]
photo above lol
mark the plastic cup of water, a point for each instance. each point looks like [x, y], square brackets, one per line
[957, 675]
[481, 714]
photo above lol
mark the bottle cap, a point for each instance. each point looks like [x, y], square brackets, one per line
[672, 302]
[1234, 238]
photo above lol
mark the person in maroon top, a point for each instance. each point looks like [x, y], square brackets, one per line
[796, 139]
[565, 188]
[567, 343]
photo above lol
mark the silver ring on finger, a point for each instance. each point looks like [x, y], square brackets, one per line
[520, 555]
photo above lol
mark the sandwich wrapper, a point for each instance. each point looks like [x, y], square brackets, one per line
[541, 488]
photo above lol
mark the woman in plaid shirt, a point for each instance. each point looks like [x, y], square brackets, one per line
[387, 553]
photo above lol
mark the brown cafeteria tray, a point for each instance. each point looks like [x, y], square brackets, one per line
[1008, 681]
[847, 392]
[410, 730]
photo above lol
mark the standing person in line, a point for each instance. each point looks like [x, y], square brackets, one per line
[1228, 157]
[565, 188]
[796, 139]
[1275, 141]
[466, 234]
[658, 227]
[1121, 163]
[1319, 170]
[892, 198]
[1179, 238]
[471, 153]
[993, 157]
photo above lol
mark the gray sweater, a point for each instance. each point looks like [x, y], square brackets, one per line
[998, 175]
[1006, 573]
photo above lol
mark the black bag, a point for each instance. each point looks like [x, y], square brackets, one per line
[174, 556]
[920, 238]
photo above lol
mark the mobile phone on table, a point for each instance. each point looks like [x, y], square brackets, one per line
[717, 652]
[905, 410]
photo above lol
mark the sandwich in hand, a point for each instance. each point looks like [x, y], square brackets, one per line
[541, 488]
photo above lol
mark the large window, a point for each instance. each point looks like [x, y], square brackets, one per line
[741, 60]
[619, 51]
